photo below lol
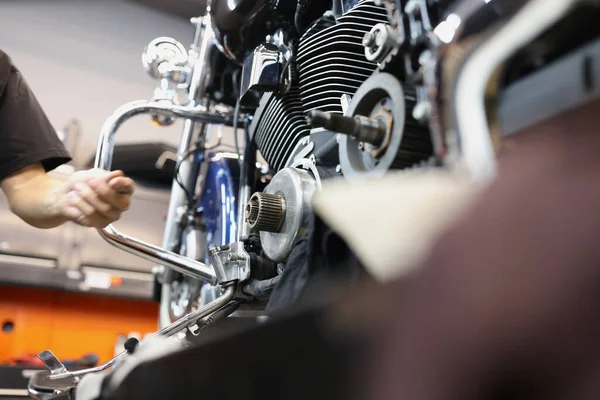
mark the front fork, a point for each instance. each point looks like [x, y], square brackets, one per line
[188, 171]
[193, 139]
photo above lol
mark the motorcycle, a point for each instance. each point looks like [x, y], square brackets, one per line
[324, 90]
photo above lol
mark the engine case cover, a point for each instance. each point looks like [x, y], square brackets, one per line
[297, 187]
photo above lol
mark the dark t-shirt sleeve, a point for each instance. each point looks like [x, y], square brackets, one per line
[26, 135]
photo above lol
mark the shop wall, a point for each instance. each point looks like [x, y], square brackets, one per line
[82, 59]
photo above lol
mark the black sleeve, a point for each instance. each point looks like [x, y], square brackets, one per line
[26, 135]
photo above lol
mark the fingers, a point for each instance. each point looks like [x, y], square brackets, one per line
[113, 174]
[97, 197]
[95, 173]
[117, 200]
[122, 185]
[74, 214]
[90, 203]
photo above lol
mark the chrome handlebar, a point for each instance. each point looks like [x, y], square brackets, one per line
[103, 160]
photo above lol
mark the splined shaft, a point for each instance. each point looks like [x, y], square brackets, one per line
[265, 212]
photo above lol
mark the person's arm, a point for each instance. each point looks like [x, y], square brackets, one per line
[30, 147]
[93, 198]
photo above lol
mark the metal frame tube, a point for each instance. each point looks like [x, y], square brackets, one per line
[103, 160]
[179, 263]
[112, 124]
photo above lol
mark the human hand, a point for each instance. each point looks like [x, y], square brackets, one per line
[96, 198]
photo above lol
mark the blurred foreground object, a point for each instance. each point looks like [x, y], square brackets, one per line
[392, 222]
[507, 305]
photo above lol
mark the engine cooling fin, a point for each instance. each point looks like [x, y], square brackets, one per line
[331, 59]
[329, 63]
[279, 124]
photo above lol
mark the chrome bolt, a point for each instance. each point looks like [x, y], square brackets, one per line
[368, 40]
[345, 102]
[234, 257]
[213, 250]
[380, 38]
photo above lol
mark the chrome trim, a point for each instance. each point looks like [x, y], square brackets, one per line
[459, 72]
[244, 191]
[105, 148]
[261, 69]
[165, 58]
[231, 262]
[170, 330]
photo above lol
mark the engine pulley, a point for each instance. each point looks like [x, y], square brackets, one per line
[404, 143]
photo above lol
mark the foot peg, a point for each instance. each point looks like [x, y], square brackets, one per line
[52, 362]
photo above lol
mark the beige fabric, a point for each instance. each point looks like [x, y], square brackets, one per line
[391, 222]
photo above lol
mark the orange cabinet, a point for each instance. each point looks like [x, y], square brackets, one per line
[70, 324]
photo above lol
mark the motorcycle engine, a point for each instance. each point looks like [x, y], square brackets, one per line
[341, 107]
[329, 63]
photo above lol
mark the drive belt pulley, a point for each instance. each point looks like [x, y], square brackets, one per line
[378, 132]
